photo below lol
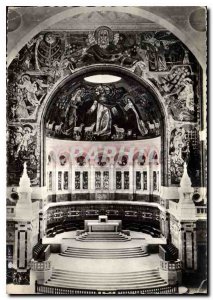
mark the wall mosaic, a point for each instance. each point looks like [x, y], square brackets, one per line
[123, 110]
[184, 147]
[156, 56]
[180, 90]
[21, 147]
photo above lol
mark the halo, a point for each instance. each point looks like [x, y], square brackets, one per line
[104, 28]
[25, 76]
[19, 129]
[28, 127]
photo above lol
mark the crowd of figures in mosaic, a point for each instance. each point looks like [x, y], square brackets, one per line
[87, 112]
[119, 111]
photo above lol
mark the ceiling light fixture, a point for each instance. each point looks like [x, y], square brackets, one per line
[102, 78]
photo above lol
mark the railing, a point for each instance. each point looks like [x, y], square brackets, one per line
[47, 253]
[150, 291]
[201, 212]
[53, 290]
[168, 252]
[11, 212]
[171, 265]
[41, 252]
[40, 266]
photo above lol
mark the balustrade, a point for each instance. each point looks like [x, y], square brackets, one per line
[45, 289]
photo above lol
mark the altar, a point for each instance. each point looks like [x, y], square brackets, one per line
[102, 225]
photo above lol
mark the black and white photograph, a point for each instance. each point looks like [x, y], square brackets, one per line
[106, 150]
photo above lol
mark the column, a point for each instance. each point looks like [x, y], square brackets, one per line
[73, 179]
[41, 225]
[122, 180]
[150, 178]
[92, 178]
[23, 246]
[92, 182]
[54, 188]
[131, 178]
[70, 176]
[131, 181]
[111, 179]
[188, 246]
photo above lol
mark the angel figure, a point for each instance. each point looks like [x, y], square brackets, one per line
[187, 93]
[179, 142]
[26, 139]
[33, 89]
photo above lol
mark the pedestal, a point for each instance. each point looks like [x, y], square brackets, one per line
[23, 246]
[171, 272]
[40, 271]
[188, 246]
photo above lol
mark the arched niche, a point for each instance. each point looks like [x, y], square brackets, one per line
[111, 70]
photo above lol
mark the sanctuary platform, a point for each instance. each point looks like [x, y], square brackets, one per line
[103, 225]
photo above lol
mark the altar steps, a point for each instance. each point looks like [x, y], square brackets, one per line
[103, 237]
[118, 253]
[107, 281]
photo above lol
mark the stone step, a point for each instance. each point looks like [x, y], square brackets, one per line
[103, 232]
[142, 279]
[103, 253]
[104, 236]
[108, 284]
[106, 287]
[103, 256]
[108, 280]
[108, 274]
[101, 239]
[105, 249]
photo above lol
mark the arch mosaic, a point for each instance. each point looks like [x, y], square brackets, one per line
[135, 11]
[50, 60]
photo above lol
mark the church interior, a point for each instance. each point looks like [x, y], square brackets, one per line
[106, 150]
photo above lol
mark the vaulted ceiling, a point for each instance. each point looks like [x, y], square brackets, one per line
[113, 19]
